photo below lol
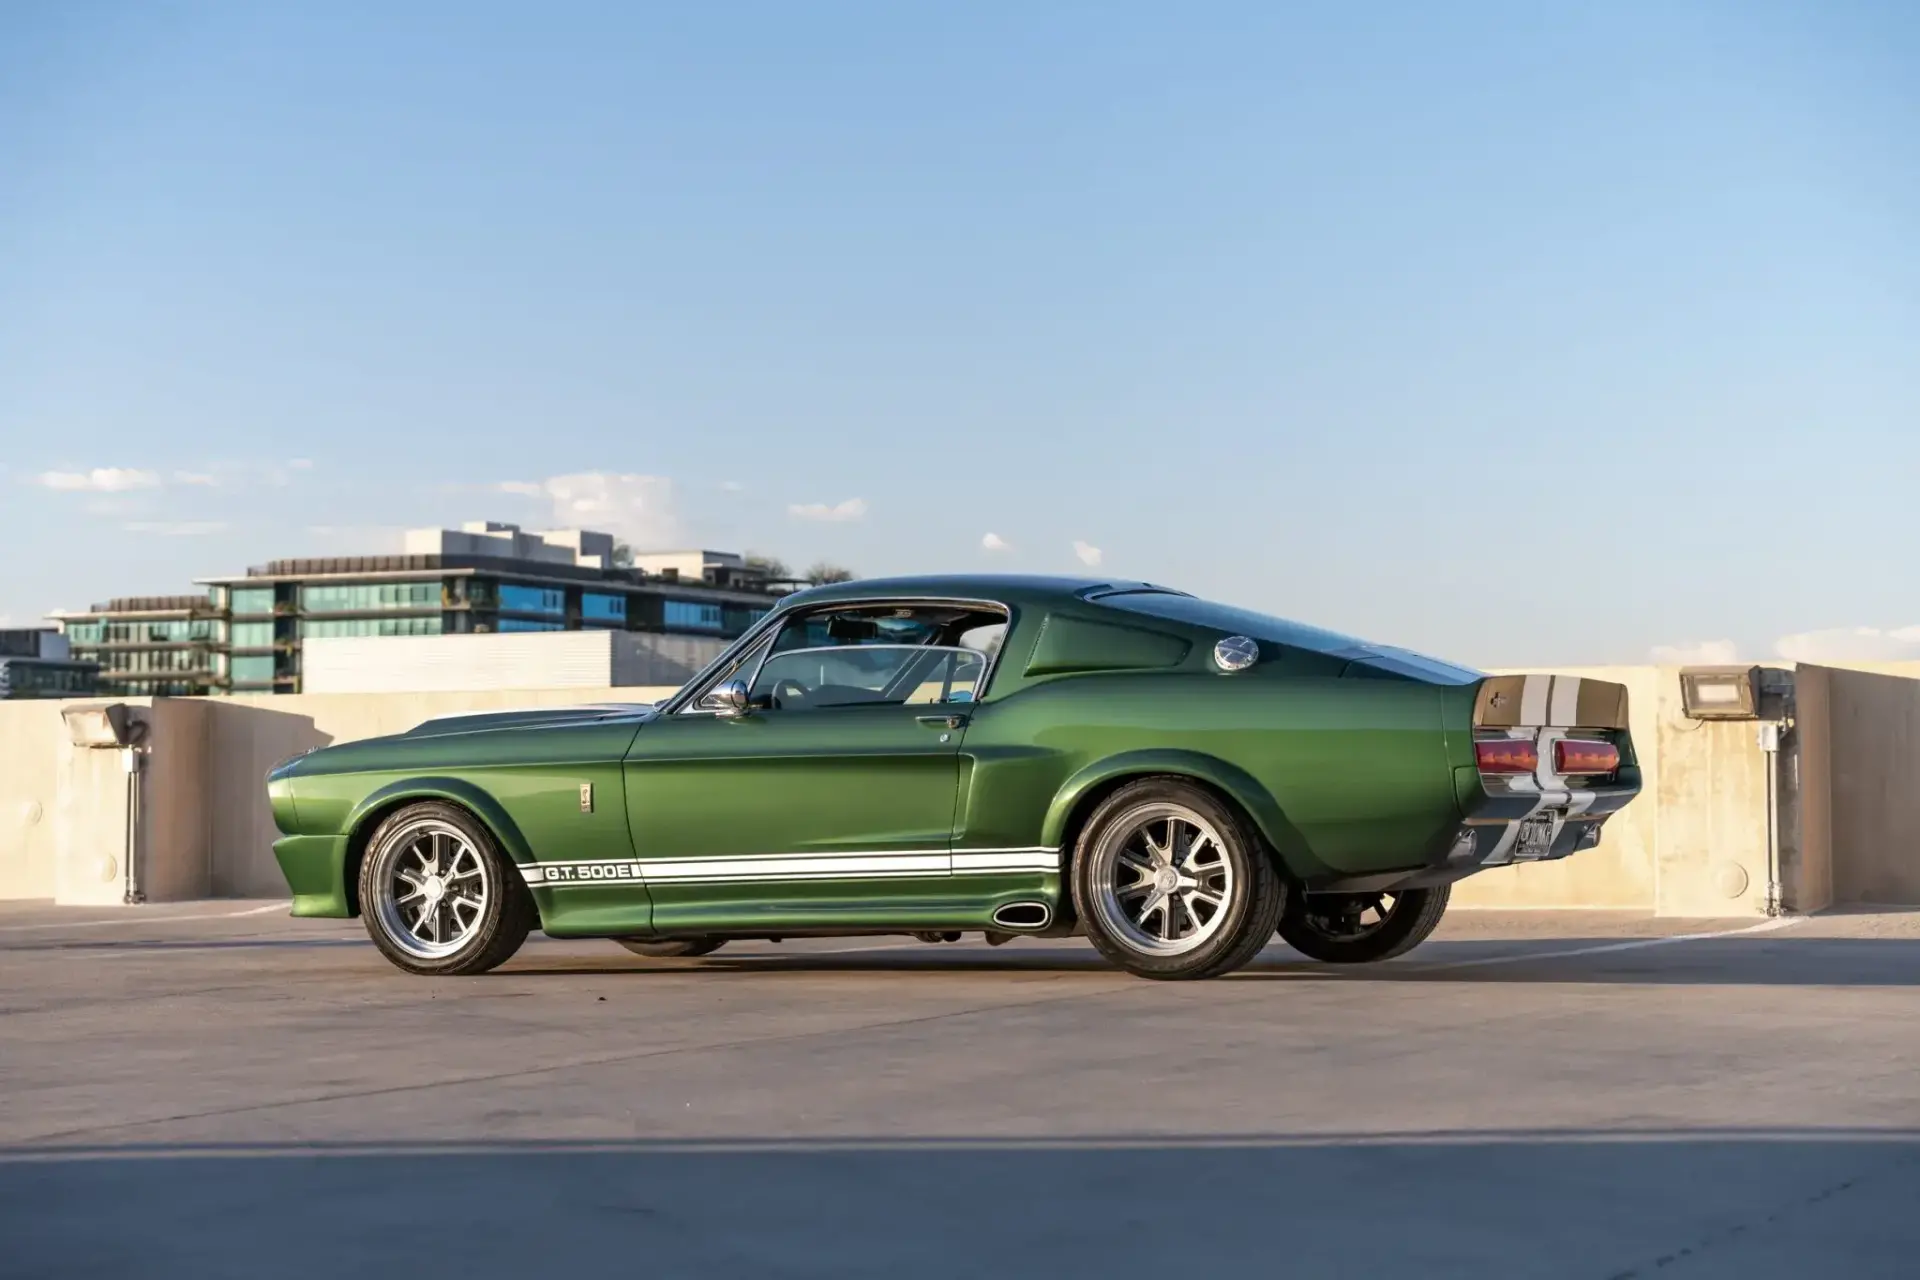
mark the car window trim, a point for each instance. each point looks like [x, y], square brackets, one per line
[683, 702]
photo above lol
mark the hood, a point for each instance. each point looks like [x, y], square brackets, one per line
[532, 718]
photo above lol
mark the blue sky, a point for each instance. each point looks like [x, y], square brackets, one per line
[1514, 335]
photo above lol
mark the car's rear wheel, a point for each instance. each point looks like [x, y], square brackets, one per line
[1171, 882]
[1359, 928]
[672, 948]
[438, 896]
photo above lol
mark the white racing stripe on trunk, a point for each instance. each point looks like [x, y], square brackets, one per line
[1533, 700]
[1566, 701]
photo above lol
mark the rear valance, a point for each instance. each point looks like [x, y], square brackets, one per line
[1541, 701]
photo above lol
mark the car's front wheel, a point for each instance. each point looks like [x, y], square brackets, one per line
[1359, 928]
[672, 948]
[1171, 882]
[437, 894]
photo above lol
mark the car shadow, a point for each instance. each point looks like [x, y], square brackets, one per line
[1487, 1205]
[1769, 960]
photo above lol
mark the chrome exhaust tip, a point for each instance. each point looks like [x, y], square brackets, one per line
[1023, 915]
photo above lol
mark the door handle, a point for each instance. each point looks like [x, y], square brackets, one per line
[948, 721]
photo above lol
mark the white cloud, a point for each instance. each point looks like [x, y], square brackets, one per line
[641, 511]
[98, 480]
[994, 542]
[128, 479]
[1088, 554]
[1851, 644]
[176, 528]
[731, 486]
[1701, 653]
[838, 513]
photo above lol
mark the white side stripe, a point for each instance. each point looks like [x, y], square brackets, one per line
[784, 867]
[965, 860]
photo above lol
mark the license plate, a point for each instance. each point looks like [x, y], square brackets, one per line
[1536, 837]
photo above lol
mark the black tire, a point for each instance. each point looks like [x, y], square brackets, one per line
[500, 924]
[672, 948]
[1332, 927]
[1243, 876]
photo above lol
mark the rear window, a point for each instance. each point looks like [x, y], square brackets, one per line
[1224, 617]
[1408, 663]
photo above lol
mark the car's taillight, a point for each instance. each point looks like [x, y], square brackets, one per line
[1506, 755]
[1577, 755]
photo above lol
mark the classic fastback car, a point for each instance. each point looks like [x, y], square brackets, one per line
[1176, 779]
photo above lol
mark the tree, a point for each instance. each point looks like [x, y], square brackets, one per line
[767, 566]
[622, 556]
[821, 572]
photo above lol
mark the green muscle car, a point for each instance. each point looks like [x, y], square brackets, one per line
[1177, 780]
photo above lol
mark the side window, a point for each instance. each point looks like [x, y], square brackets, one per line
[922, 653]
[852, 675]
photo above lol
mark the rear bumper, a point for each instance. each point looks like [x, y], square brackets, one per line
[313, 866]
[1491, 833]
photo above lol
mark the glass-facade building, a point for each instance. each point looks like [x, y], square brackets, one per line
[150, 646]
[37, 662]
[265, 616]
[245, 634]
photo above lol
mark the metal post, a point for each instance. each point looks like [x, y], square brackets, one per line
[1769, 735]
[130, 759]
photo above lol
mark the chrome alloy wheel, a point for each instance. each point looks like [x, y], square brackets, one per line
[432, 888]
[1163, 879]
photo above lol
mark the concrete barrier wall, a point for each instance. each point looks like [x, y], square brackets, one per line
[1694, 844]
[33, 751]
[64, 810]
[1868, 777]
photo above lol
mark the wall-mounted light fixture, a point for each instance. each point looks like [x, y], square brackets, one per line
[1720, 693]
[100, 724]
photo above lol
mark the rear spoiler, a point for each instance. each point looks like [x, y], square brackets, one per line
[1545, 701]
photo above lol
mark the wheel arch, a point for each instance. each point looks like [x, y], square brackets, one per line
[1082, 793]
[379, 805]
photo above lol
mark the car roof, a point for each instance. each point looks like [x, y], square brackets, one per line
[1009, 588]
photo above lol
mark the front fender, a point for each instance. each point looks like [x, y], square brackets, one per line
[1235, 782]
[455, 790]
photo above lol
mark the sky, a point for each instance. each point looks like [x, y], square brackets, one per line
[1512, 333]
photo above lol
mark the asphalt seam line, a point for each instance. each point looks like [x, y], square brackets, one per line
[1632, 944]
[141, 918]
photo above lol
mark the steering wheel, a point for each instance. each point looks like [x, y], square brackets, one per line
[789, 691]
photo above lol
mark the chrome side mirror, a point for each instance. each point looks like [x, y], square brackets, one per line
[727, 700]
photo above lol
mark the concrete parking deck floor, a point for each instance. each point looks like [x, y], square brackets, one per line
[197, 1091]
